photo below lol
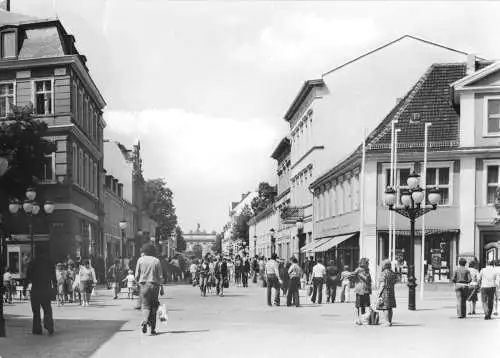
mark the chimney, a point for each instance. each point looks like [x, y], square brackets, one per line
[471, 64]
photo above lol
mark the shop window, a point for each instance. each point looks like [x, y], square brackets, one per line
[493, 115]
[9, 44]
[43, 97]
[492, 183]
[440, 178]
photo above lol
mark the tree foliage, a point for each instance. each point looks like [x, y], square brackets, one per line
[265, 197]
[240, 225]
[179, 238]
[159, 205]
[23, 144]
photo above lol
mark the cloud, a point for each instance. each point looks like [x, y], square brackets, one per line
[202, 157]
[306, 39]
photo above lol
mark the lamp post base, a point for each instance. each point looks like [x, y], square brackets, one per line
[412, 285]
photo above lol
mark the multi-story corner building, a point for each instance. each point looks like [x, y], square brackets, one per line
[461, 102]
[40, 65]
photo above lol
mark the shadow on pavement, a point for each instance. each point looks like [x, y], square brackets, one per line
[407, 325]
[72, 338]
[193, 331]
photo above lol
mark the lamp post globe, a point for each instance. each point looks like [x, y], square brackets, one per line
[49, 207]
[14, 206]
[413, 180]
[434, 196]
[30, 194]
[35, 208]
[390, 196]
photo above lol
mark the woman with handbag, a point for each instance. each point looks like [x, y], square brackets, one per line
[87, 281]
[387, 297]
[363, 288]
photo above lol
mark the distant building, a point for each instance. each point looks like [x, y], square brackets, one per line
[200, 241]
[230, 246]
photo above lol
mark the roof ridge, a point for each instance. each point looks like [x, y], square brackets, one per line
[393, 42]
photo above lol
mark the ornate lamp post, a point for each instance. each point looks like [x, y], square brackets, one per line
[273, 241]
[31, 208]
[123, 224]
[412, 208]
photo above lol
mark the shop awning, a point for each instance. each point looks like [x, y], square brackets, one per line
[312, 245]
[332, 242]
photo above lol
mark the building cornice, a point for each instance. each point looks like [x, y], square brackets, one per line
[316, 147]
[299, 98]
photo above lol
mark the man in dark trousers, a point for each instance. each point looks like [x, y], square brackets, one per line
[42, 276]
[221, 275]
[245, 270]
[332, 281]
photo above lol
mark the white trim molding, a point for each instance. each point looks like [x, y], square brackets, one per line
[484, 184]
[485, 116]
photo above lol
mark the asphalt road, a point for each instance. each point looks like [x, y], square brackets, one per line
[242, 325]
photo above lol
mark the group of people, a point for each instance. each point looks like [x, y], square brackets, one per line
[75, 282]
[211, 273]
[470, 282]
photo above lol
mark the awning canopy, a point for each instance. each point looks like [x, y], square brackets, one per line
[312, 245]
[332, 242]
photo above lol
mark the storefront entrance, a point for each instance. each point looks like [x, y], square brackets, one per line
[489, 247]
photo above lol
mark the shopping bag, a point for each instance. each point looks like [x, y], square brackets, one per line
[94, 293]
[162, 313]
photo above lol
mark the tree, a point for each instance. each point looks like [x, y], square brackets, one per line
[217, 246]
[23, 144]
[265, 197]
[240, 226]
[179, 238]
[159, 205]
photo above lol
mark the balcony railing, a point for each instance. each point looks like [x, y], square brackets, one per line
[292, 214]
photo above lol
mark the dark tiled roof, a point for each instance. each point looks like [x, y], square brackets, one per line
[428, 101]
[41, 43]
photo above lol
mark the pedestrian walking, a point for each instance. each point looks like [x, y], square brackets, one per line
[61, 276]
[387, 296]
[255, 268]
[76, 287]
[149, 274]
[42, 276]
[473, 287]
[245, 271]
[461, 278]
[332, 281]
[488, 281]
[294, 273]
[262, 271]
[237, 270]
[345, 294]
[273, 280]
[114, 276]
[204, 276]
[130, 280]
[318, 278]
[7, 285]
[363, 288]
[221, 275]
[87, 281]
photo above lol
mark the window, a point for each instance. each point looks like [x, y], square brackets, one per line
[6, 98]
[80, 107]
[340, 198]
[43, 97]
[347, 195]
[75, 103]
[48, 168]
[492, 183]
[439, 178]
[401, 180]
[96, 188]
[493, 115]
[8, 44]
[81, 167]
[91, 176]
[86, 116]
[75, 164]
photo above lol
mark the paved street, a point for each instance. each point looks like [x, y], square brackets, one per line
[241, 325]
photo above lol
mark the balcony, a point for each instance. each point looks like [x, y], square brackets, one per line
[291, 214]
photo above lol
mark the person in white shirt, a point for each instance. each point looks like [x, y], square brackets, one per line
[273, 280]
[318, 278]
[488, 281]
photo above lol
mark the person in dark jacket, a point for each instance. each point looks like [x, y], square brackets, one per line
[221, 275]
[42, 276]
[245, 271]
[461, 279]
[332, 281]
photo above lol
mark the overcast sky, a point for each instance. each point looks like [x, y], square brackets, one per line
[204, 85]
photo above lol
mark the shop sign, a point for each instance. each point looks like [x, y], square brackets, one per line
[436, 258]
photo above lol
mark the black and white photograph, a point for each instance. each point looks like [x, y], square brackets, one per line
[249, 179]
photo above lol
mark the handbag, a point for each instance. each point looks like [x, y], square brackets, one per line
[380, 304]
[162, 313]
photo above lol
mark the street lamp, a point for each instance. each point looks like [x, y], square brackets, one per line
[273, 241]
[4, 166]
[413, 206]
[123, 226]
[31, 208]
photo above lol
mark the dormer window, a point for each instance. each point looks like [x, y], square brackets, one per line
[493, 115]
[8, 39]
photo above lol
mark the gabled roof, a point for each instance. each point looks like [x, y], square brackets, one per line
[427, 101]
[283, 145]
[304, 91]
[469, 80]
[393, 42]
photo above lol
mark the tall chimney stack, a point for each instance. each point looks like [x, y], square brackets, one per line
[471, 64]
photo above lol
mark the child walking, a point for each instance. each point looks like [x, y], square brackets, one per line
[130, 279]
